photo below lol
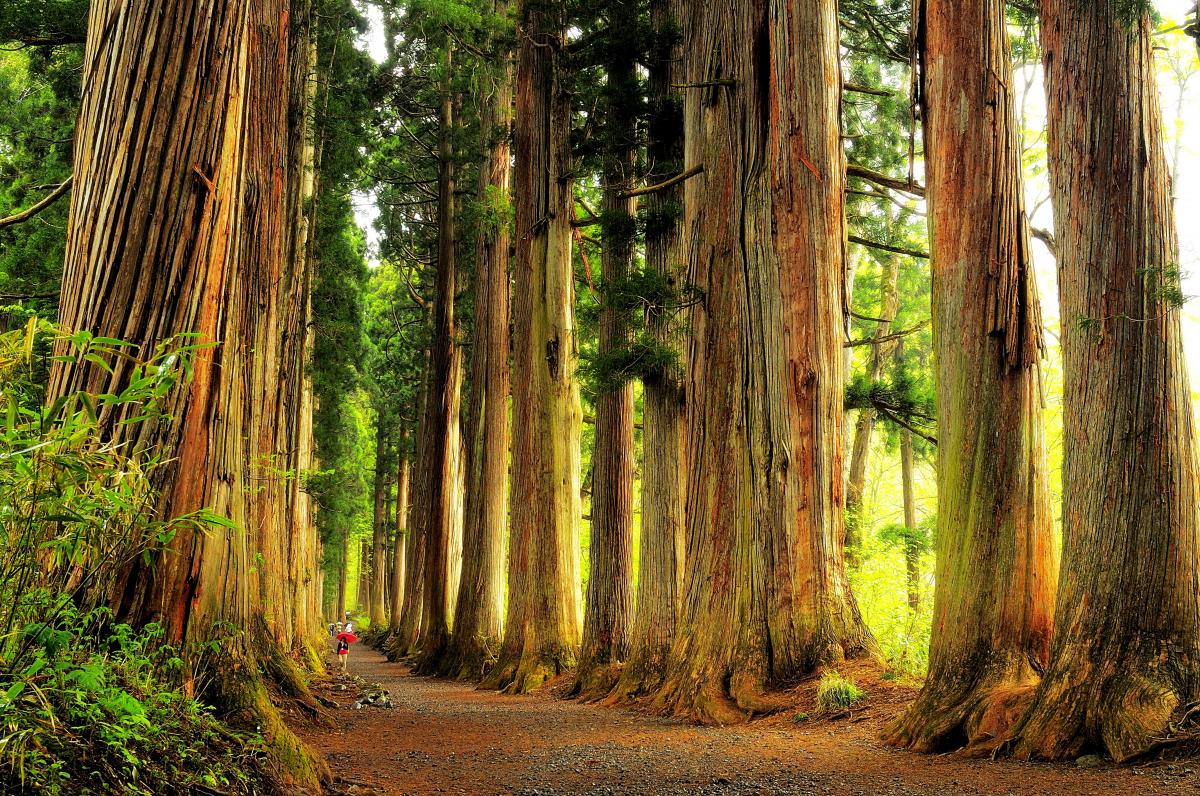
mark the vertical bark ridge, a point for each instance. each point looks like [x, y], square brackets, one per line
[996, 563]
[1125, 656]
[479, 615]
[767, 600]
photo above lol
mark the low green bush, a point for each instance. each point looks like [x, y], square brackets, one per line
[100, 708]
[836, 693]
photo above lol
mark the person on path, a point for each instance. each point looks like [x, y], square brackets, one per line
[343, 652]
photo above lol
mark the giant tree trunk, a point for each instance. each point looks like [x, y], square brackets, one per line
[996, 564]
[180, 223]
[660, 549]
[864, 425]
[442, 409]
[400, 543]
[541, 634]
[766, 599]
[479, 613]
[1125, 656]
[610, 554]
[379, 525]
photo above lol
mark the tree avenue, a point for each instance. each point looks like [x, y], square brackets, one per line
[682, 356]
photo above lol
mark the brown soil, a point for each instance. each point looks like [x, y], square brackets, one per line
[446, 737]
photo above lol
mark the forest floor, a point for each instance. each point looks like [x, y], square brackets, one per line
[441, 736]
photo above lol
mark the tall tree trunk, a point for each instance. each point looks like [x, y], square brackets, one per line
[766, 598]
[180, 224]
[479, 614]
[399, 545]
[362, 598]
[343, 575]
[1125, 656]
[609, 601]
[660, 548]
[379, 523]
[996, 564]
[541, 635]
[860, 452]
[442, 410]
[406, 639]
[912, 553]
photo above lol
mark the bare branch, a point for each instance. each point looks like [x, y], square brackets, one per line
[30, 212]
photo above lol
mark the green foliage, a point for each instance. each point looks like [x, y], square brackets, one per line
[837, 694]
[49, 21]
[900, 398]
[98, 707]
[87, 705]
[918, 540]
[39, 92]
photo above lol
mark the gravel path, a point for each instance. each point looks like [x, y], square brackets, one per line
[445, 737]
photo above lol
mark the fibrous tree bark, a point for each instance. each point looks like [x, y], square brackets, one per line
[609, 600]
[542, 625]
[184, 221]
[996, 562]
[479, 613]
[1125, 656]
[442, 408]
[660, 548]
[766, 597]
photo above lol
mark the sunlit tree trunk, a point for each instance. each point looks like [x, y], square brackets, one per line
[180, 223]
[443, 406]
[542, 628]
[400, 543]
[912, 554]
[609, 603]
[660, 548]
[766, 598]
[405, 640]
[1125, 657]
[479, 613]
[379, 522]
[996, 564]
[864, 425]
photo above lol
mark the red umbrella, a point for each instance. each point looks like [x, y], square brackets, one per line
[349, 638]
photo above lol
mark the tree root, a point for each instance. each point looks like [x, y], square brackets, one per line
[975, 717]
[596, 683]
[530, 671]
[1124, 715]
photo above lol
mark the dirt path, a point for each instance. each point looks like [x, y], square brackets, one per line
[446, 737]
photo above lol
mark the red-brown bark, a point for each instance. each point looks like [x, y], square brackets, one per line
[766, 599]
[1125, 656]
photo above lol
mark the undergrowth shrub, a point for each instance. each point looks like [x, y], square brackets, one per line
[100, 708]
[836, 693]
[88, 705]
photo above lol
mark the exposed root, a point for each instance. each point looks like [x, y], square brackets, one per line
[1124, 715]
[642, 674]
[286, 675]
[596, 683]
[975, 717]
[470, 659]
[530, 671]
